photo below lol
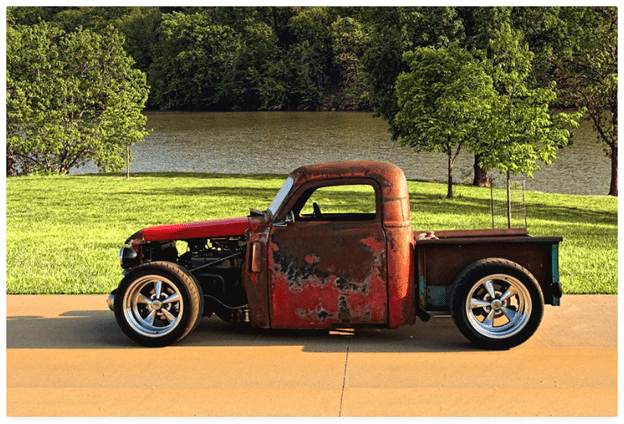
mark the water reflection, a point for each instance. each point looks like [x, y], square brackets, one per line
[278, 142]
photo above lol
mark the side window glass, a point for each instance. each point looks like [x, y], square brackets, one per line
[355, 202]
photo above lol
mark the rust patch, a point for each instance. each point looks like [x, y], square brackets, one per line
[312, 259]
[310, 274]
[344, 312]
[325, 274]
[345, 285]
[401, 294]
[318, 314]
[376, 246]
[294, 275]
[255, 283]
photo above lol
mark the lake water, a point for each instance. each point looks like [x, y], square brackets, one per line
[279, 142]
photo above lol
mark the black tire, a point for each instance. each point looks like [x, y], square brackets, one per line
[158, 304]
[496, 303]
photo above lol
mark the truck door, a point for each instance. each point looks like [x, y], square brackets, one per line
[327, 266]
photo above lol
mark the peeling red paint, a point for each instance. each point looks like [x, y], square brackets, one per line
[377, 247]
[311, 259]
[335, 283]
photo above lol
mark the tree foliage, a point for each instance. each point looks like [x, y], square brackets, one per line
[524, 133]
[194, 57]
[71, 97]
[350, 58]
[588, 72]
[394, 31]
[483, 101]
[349, 41]
[444, 102]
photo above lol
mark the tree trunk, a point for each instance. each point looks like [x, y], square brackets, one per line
[449, 191]
[127, 161]
[10, 165]
[508, 201]
[480, 174]
[613, 189]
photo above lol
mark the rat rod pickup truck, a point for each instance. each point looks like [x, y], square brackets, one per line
[298, 266]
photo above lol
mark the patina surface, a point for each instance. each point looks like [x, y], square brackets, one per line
[336, 271]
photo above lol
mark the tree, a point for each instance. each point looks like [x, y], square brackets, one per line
[140, 30]
[577, 48]
[93, 18]
[31, 15]
[310, 56]
[349, 40]
[479, 24]
[588, 73]
[71, 97]
[523, 133]
[546, 34]
[396, 30]
[195, 55]
[443, 102]
[242, 82]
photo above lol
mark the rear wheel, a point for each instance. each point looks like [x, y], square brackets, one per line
[158, 304]
[496, 303]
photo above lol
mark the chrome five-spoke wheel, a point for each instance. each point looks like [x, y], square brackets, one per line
[158, 303]
[498, 306]
[496, 303]
[153, 306]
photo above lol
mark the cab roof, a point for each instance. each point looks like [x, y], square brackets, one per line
[389, 176]
[384, 172]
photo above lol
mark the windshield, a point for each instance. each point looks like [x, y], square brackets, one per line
[281, 195]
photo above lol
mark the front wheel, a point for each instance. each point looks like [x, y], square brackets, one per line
[158, 304]
[497, 304]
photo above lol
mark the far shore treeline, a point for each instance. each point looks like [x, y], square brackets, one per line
[484, 79]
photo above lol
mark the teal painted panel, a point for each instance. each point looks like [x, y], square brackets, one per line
[438, 295]
[555, 263]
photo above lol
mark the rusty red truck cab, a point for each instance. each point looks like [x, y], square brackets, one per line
[325, 270]
[313, 260]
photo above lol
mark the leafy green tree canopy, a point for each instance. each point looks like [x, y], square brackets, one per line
[443, 101]
[396, 30]
[587, 67]
[71, 97]
[523, 133]
[349, 41]
[194, 55]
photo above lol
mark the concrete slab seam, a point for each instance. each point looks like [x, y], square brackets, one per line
[344, 377]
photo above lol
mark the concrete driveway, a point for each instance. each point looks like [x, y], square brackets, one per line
[67, 357]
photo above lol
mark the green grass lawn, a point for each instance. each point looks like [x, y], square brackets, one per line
[64, 233]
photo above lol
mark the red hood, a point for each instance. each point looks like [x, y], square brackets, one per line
[192, 230]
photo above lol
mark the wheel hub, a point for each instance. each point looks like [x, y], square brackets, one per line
[497, 304]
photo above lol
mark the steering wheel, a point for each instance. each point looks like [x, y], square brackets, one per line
[317, 210]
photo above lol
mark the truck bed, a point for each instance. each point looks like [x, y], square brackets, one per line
[441, 255]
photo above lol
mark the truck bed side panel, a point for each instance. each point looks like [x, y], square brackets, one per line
[440, 261]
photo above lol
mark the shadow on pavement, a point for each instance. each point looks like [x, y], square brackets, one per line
[99, 330]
